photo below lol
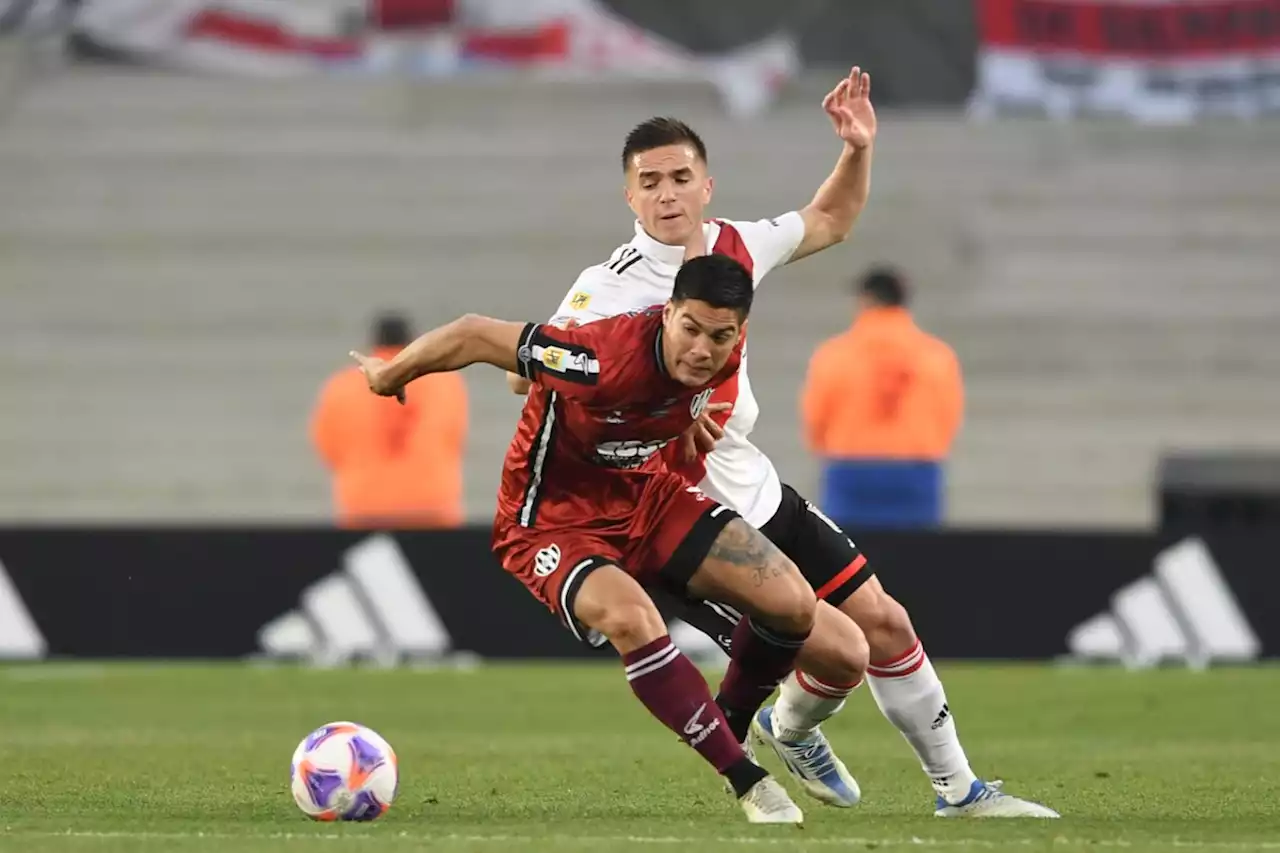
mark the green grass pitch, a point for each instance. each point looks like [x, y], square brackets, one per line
[144, 758]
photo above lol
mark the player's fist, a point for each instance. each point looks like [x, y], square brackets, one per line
[848, 106]
[378, 376]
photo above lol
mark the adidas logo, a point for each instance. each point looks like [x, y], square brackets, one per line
[20, 638]
[373, 610]
[1183, 612]
[941, 720]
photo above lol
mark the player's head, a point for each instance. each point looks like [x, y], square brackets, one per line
[667, 185]
[705, 317]
[883, 287]
[391, 329]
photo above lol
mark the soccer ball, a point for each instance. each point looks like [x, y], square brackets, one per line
[344, 771]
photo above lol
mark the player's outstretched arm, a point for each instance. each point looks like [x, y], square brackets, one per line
[471, 339]
[829, 217]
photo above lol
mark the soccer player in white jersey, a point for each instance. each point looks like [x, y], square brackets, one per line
[668, 187]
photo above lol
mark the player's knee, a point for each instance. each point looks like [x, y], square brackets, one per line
[893, 629]
[884, 621]
[611, 602]
[837, 651]
[631, 626]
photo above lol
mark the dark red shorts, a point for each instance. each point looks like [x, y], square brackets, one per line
[659, 537]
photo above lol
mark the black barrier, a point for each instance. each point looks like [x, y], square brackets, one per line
[334, 596]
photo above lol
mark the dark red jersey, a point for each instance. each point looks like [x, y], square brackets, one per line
[601, 407]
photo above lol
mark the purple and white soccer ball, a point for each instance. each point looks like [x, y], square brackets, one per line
[344, 771]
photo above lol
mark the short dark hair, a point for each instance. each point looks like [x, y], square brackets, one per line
[657, 132]
[717, 280]
[885, 286]
[392, 329]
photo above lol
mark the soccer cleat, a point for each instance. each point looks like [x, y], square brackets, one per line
[768, 802]
[985, 799]
[812, 762]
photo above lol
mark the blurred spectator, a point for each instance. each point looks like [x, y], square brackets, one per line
[881, 405]
[393, 465]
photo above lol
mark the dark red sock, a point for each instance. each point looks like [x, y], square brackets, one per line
[673, 690]
[762, 657]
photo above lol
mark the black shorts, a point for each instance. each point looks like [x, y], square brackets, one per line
[827, 558]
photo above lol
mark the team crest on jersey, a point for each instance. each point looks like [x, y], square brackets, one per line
[699, 403]
[546, 561]
[579, 300]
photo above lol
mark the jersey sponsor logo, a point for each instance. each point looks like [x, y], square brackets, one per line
[546, 560]
[699, 403]
[628, 454]
[579, 300]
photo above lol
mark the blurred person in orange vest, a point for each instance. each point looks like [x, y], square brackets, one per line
[393, 465]
[881, 405]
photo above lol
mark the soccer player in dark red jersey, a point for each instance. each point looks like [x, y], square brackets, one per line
[588, 512]
[859, 628]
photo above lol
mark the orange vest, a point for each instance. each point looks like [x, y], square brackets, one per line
[393, 465]
[885, 389]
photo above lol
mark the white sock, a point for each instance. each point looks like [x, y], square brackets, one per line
[804, 703]
[910, 695]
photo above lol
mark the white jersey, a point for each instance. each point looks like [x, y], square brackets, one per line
[642, 273]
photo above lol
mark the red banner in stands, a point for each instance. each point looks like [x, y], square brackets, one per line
[1153, 29]
[1153, 60]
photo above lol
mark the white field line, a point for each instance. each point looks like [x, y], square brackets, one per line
[655, 840]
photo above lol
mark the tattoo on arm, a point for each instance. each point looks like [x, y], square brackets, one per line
[742, 545]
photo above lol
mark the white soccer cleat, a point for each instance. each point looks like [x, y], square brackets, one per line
[812, 762]
[768, 802]
[985, 799]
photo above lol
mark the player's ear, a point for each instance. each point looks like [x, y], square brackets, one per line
[668, 311]
[707, 190]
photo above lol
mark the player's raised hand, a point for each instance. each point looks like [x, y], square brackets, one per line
[702, 435]
[848, 106]
[375, 373]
